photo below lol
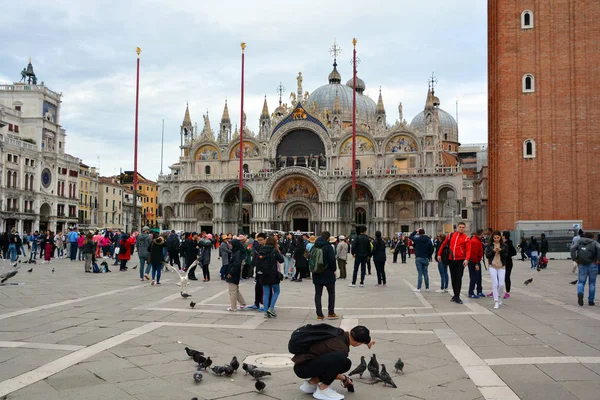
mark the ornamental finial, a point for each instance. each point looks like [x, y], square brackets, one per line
[243, 46]
[138, 51]
[354, 41]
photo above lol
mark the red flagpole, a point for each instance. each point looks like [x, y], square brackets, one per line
[354, 131]
[241, 188]
[135, 148]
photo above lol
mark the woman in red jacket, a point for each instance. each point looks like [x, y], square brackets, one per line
[126, 243]
[460, 253]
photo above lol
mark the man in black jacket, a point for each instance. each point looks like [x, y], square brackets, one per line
[326, 278]
[423, 251]
[361, 251]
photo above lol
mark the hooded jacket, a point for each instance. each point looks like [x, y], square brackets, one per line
[422, 244]
[583, 242]
[128, 242]
[326, 277]
[235, 264]
[143, 243]
[225, 253]
[156, 250]
[205, 247]
[361, 247]
[270, 276]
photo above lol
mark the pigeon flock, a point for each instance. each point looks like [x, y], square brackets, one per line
[225, 370]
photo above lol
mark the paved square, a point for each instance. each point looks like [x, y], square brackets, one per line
[70, 335]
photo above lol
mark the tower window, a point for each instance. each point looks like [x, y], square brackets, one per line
[527, 19]
[207, 170]
[529, 148]
[528, 83]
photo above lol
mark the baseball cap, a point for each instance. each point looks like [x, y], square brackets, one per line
[342, 237]
[361, 334]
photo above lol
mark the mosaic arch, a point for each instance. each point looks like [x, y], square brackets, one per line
[198, 196]
[296, 187]
[362, 194]
[250, 151]
[403, 192]
[206, 153]
[401, 144]
[232, 196]
[363, 146]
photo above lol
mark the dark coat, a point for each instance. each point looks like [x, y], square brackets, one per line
[544, 246]
[326, 277]
[361, 247]
[234, 268]
[422, 245]
[205, 248]
[379, 251]
[489, 253]
[301, 261]
[271, 275]
[89, 247]
[191, 251]
[156, 250]
[287, 246]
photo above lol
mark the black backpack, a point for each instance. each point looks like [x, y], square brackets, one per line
[446, 252]
[123, 247]
[586, 253]
[264, 263]
[303, 337]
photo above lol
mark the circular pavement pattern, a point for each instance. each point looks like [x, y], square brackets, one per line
[270, 360]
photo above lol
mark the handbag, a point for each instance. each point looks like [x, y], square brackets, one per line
[446, 251]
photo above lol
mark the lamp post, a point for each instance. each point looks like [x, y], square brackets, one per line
[353, 206]
[241, 176]
[134, 222]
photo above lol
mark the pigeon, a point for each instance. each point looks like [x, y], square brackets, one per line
[574, 282]
[260, 385]
[19, 261]
[218, 369]
[528, 281]
[32, 262]
[191, 352]
[104, 264]
[386, 378]
[248, 368]
[6, 276]
[235, 364]
[52, 270]
[194, 398]
[30, 270]
[399, 365]
[185, 295]
[192, 304]
[360, 369]
[197, 376]
[228, 370]
[206, 363]
[14, 264]
[257, 373]
[199, 358]
[135, 266]
[373, 367]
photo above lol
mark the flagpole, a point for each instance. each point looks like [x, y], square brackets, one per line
[353, 211]
[135, 148]
[241, 187]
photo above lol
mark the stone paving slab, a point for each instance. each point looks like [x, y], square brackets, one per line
[540, 320]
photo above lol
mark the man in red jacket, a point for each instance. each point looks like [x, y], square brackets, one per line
[475, 265]
[460, 252]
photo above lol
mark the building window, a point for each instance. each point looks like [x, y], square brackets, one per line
[465, 214]
[10, 127]
[527, 19]
[105, 218]
[360, 216]
[529, 149]
[357, 164]
[18, 108]
[207, 170]
[16, 128]
[528, 83]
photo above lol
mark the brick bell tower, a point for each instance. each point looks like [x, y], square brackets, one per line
[544, 124]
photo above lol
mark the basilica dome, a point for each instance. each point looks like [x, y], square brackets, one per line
[448, 125]
[324, 98]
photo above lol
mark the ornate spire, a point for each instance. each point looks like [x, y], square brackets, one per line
[187, 121]
[265, 110]
[207, 131]
[334, 76]
[380, 108]
[225, 117]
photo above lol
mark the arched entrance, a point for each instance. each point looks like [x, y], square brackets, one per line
[301, 147]
[203, 209]
[45, 212]
[231, 208]
[403, 200]
[294, 198]
[168, 215]
[299, 218]
[364, 208]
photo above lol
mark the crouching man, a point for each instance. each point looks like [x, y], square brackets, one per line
[321, 357]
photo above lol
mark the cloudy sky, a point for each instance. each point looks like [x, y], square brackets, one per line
[191, 53]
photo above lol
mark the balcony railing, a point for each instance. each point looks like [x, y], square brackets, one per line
[30, 88]
[333, 173]
[17, 143]
[10, 111]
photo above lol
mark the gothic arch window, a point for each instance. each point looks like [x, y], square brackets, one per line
[360, 216]
[8, 179]
[527, 19]
[245, 217]
[245, 167]
[14, 180]
[529, 150]
[357, 165]
[207, 170]
[528, 83]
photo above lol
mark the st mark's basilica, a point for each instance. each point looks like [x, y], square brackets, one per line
[298, 167]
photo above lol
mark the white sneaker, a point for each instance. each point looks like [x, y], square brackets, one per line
[499, 300]
[427, 290]
[308, 387]
[361, 285]
[445, 290]
[327, 394]
[352, 285]
[439, 291]
[417, 290]
[496, 305]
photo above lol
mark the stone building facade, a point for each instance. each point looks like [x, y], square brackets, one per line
[543, 129]
[297, 168]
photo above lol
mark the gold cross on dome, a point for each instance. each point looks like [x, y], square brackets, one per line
[335, 50]
[432, 81]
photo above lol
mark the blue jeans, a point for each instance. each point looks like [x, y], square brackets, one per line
[443, 269]
[73, 250]
[533, 261]
[12, 250]
[144, 261]
[22, 250]
[590, 272]
[422, 265]
[267, 292]
[362, 262]
[156, 270]
[34, 249]
[223, 272]
[474, 278]
[288, 266]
